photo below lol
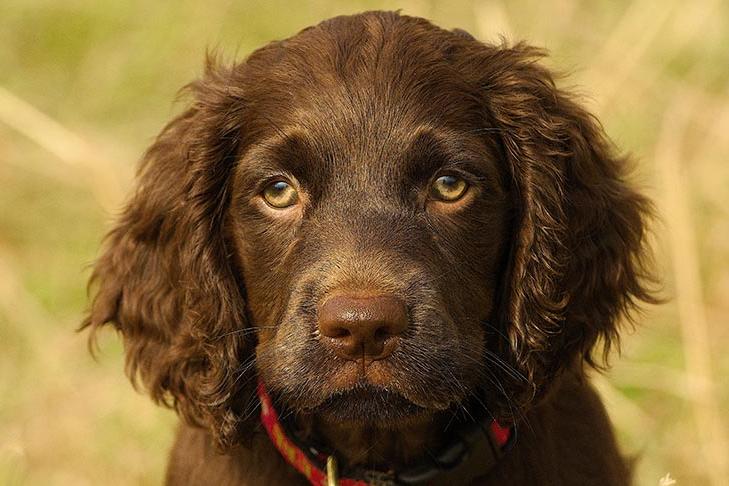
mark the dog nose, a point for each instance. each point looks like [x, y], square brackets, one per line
[362, 327]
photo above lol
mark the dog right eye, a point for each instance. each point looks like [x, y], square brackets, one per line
[448, 188]
[280, 195]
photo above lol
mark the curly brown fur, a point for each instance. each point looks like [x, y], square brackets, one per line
[508, 291]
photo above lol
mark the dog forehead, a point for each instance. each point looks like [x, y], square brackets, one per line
[361, 121]
[377, 68]
[357, 92]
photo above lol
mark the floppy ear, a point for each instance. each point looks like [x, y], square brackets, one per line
[577, 264]
[164, 279]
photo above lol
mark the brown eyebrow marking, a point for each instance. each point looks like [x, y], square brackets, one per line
[440, 148]
[287, 151]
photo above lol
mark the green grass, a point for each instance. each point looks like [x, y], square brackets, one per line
[109, 72]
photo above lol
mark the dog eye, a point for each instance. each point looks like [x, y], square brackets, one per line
[280, 194]
[448, 188]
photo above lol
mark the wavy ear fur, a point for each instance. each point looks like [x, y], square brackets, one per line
[578, 258]
[164, 279]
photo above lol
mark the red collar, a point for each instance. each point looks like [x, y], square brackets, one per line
[316, 466]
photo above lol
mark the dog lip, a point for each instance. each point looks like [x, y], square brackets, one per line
[361, 390]
[365, 401]
[364, 388]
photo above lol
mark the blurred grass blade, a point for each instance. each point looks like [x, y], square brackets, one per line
[689, 290]
[64, 144]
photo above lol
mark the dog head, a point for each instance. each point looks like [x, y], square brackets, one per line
[382, 220]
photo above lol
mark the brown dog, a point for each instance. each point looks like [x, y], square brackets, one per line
[409, 241]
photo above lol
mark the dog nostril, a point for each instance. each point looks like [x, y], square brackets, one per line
[362, 326]
[338, 333]
[382, 333]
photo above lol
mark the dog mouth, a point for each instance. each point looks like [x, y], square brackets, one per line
[365, 403]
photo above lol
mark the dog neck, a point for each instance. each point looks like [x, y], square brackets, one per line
[373, 445]
[377, 452]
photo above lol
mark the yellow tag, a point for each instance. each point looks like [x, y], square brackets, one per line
[332, 472]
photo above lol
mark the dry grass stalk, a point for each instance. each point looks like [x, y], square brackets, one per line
[692, 314]
[65, 145]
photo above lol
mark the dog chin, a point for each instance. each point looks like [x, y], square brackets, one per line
[366, 403]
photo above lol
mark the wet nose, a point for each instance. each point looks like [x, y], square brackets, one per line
[362, 327]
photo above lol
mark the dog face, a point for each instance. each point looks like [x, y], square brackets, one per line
[370, 227]
[380, 219]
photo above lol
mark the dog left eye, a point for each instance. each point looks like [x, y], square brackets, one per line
[448, 188]
[280, 194]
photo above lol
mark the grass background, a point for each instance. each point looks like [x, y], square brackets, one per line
[85, 85]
